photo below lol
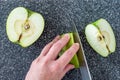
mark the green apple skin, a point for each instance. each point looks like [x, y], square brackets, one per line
[21, 15]
[74, 60]
[101, 38]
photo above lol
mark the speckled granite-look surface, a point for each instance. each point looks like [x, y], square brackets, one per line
[15, 60]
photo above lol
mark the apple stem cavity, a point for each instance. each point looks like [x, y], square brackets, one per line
[27, 26]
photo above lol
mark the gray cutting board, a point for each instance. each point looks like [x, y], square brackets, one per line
[15, 60]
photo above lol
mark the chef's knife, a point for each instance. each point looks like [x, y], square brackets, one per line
[85, 73]
[69, 26]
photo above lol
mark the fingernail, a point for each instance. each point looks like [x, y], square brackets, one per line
[77, 44]
[67, 36]
[72, 67]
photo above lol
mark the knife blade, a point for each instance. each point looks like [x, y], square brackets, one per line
[85, 73]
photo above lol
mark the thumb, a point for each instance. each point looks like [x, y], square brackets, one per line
[68, 68]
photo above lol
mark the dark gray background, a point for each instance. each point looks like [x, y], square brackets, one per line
[15, 60]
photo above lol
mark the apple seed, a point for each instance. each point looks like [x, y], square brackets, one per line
[103, 37]
[99, 38]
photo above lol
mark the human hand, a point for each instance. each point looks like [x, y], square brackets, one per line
[47, 67]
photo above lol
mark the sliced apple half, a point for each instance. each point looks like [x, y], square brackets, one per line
[101, 37]
[74, 60]
[24, 26]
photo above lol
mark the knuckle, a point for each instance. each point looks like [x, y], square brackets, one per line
[57, 45]
[33, 62]
[65, 39]
[43, 64]
[45, 61]
[69, 52]
[73, 48]
[49, 44]
[55, 68]
[57, 65]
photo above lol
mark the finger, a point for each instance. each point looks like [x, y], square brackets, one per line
[68, 55]
[48, 46]
[68, 68]
[55, 49]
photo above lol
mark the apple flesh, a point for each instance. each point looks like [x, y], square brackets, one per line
[101, 38]
[74, 60]
[24, 26]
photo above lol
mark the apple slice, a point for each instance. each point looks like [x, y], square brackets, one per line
[101, 37]
[24, 26]
[74, 60]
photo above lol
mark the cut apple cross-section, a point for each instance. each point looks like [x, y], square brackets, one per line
[24, 26]
[101, 38]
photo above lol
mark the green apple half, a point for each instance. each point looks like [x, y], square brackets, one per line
[101, 37]
[74, 60]
[24, 26]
